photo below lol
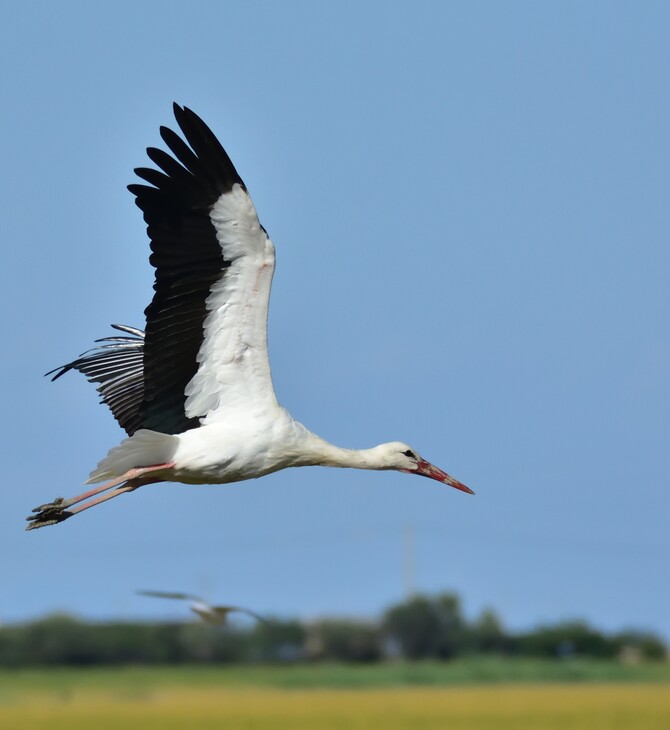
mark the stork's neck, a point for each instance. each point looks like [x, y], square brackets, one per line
[322, 453]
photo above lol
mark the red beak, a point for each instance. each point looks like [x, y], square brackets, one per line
[426, 469]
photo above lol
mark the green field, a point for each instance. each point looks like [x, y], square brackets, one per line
[468, 695]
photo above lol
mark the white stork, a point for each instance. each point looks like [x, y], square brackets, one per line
[208, 613]
[194, 391]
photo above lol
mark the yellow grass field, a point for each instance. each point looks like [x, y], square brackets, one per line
[507, 707]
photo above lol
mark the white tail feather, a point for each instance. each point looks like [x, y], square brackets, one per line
[143, 448]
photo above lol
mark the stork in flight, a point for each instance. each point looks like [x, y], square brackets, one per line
[194, 392]
[208, 613]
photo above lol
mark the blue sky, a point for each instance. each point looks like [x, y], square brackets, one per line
[469, 203]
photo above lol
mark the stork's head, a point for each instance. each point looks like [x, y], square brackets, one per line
[401, 457]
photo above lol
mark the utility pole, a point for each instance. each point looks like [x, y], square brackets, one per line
[409, 563]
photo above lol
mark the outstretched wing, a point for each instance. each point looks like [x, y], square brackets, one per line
[206, 335]
[205, 347]
[164, 594]
[247, 611]
[117, 369]
[219, 614]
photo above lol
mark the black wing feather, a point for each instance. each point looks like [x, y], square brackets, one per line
[188, 261]
[117, 368]
[142, 377]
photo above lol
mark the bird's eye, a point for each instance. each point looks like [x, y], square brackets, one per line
[409, 453]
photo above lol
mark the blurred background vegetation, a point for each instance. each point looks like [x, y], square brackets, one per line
[421, 627]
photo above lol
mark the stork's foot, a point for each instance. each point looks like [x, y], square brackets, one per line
[49, 514]
[58, 510]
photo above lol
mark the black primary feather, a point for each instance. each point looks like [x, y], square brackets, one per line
[117, 369]
[188, 261]
[142, 378]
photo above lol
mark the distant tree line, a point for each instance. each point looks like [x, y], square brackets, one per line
[423, 627]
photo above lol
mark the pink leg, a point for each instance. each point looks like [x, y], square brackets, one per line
[128, 476]
[129, 486]
[56, 511]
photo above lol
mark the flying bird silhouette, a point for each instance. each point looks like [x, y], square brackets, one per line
[207, 612]
[193, 392]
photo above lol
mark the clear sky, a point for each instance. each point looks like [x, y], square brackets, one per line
[469, 203]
